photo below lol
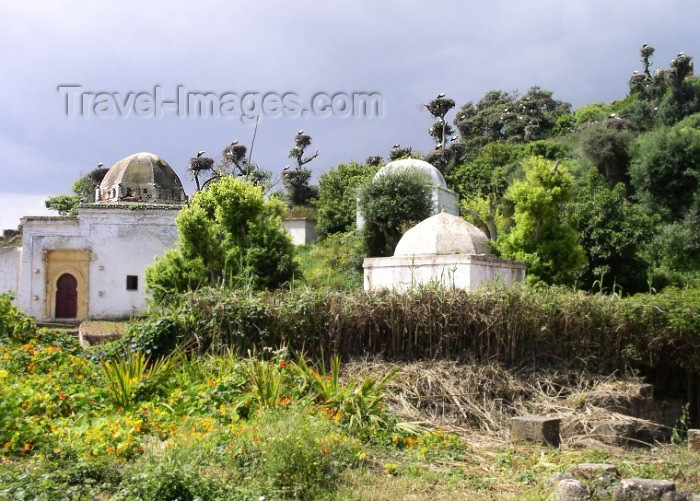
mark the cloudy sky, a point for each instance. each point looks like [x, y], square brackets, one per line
[405, 51]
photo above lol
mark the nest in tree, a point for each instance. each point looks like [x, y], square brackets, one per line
[616, 123]
[399, 152]
[201, 164]
[302, 141]
[236, 152]
[439, 107]
[373, 160]
[439, 158]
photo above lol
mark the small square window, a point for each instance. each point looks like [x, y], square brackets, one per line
[132, 282]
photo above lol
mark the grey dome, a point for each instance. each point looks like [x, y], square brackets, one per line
[443, 234]
[415, 164]
[142, 177]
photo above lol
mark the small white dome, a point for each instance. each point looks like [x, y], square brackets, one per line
[413, 163]
[443, 234]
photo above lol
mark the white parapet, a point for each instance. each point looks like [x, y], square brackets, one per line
[457, 271]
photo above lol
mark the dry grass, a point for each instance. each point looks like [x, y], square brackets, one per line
[467, 397]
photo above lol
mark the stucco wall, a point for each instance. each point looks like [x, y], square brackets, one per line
[10, 260]
[302, 230]
[452, 270]
[120, 242]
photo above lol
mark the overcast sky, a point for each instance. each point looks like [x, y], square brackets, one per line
[406, 51]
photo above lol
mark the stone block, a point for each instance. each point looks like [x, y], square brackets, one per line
[628, 433]
[684, 495]
[642, 489]
[694, 440]
[589, 471]
[571, 490]
[539, 429]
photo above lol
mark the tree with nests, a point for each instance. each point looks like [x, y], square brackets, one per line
[444, 156]
[299, 192]
[398, 152]
[236, 160]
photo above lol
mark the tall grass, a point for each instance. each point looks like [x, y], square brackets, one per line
[658, 334]
[514, 326]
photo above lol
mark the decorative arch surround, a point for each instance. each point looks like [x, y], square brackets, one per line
[62, 262]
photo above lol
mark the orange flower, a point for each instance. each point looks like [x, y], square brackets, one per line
[285, 401]
[211, 384]
[283, 364]
[62, 396]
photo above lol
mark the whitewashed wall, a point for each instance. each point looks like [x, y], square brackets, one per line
[458, 271]
[121, 242]
[10, 259]
[302, 230]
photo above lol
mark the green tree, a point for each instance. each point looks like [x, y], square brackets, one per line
[606, 144]
[390, 204]
[677, 245]
[486, 178]
[229, 235]
[540, 237]
[614, 234]
[665, 168]
[502, 116]
[337, 201]
[83, 192]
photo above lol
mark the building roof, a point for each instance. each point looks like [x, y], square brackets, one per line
[141, 177]
[415, 164]
[443, 233]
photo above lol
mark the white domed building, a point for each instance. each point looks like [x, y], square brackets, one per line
[92, 265]
[444, 199]
[443, 249]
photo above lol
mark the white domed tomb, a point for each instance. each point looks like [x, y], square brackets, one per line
[442, 249]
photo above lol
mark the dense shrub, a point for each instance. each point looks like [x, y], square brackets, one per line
[517, 325]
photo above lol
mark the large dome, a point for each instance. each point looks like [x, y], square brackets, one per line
[415, 164]
[142, 177]
[443, 234]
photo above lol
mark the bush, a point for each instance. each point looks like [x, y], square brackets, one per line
[514, 325]
[335, 262]
[228, 236]
[299, 455]
[390, 205]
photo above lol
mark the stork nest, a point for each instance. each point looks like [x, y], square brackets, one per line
[201, 164]
[439, 107]
[373, 161]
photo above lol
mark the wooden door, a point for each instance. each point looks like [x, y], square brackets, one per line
[66, 296]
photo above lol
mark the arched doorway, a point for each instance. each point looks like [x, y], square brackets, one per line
[66, 296]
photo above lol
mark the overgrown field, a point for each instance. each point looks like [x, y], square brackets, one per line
[138, 419]
[658, 334]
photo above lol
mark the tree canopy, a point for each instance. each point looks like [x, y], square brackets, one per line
[228, 236]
